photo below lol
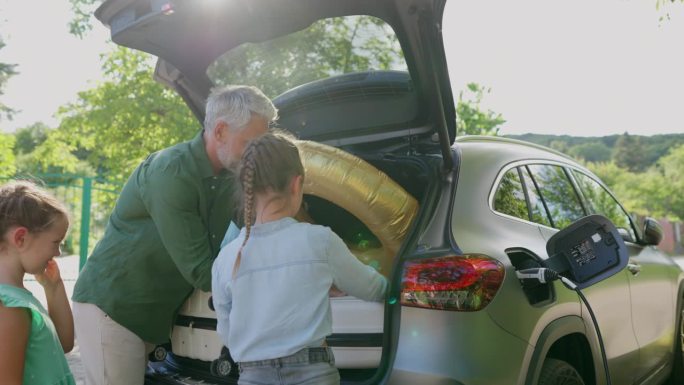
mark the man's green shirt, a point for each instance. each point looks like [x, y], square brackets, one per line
[160, 241]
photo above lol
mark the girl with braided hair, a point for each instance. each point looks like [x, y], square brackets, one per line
[270, 284]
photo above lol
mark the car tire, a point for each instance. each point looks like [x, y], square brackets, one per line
[558, 372]
[677, 376]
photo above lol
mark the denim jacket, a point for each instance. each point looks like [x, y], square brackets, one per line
[278, 302]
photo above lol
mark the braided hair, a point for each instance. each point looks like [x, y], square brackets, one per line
[268, 164]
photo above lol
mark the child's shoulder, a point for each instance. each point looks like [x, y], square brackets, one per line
[318, 234]
[17, 299]
[13, 296]
[313, 228]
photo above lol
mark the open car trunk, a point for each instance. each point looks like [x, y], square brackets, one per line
[367, 78]
[196, 352]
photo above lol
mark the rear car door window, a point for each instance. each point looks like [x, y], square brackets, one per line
[599, 201]
[518, 197]
[558, 194]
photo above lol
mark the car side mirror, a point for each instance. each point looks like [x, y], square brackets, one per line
[588, 251]
[653, 232]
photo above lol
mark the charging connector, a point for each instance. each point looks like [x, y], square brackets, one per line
[541, 275]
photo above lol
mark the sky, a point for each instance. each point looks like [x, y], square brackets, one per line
[581, 67]
[53, 65]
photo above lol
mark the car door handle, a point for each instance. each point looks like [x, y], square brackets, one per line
[634, 268]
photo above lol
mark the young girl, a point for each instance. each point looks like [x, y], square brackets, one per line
[270, 285]
[32, 226]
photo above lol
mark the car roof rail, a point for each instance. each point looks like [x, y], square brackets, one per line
[502, 139]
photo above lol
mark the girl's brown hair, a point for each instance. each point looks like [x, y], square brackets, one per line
[268, 165]
[22, 203]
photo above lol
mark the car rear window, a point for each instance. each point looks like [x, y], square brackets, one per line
[327, 48]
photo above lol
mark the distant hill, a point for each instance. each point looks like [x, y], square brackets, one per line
[635, 152]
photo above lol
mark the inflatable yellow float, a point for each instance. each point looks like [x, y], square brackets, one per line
[364, 191]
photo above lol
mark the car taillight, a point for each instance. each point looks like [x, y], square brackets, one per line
[461, 282]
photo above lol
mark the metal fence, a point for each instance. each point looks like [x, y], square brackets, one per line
[90, 200]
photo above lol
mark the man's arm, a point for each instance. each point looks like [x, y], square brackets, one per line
[174, 203]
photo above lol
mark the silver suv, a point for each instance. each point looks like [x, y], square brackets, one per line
[450, 221]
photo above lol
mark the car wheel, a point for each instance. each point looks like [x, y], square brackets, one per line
[558, 372]
[677, 376]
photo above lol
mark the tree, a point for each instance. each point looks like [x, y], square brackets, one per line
[626, 185]
[82, 21]
[7, 167]
[6, 71]
[471, 118]
[116, 124]
[667, 195]
[591, 152]
[30, 137]
[628, 153]
[559, 145]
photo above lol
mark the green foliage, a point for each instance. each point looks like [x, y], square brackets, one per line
[471, 118]
[671, 192]
[82, 21]
[116, 124]
[51, 156]
[7, 167]
[30, 137]
[625, 185]
[560, 146]
[590, 152]
[654, 192]
[628, 153]
[645, 154]
[6, 71]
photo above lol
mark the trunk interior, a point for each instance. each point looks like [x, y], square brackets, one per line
[358, 326]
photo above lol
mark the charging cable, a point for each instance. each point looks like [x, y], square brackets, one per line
[545, 275]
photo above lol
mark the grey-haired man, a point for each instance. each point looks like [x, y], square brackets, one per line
[162, 238]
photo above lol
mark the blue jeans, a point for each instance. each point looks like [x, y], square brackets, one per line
[309, 366]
